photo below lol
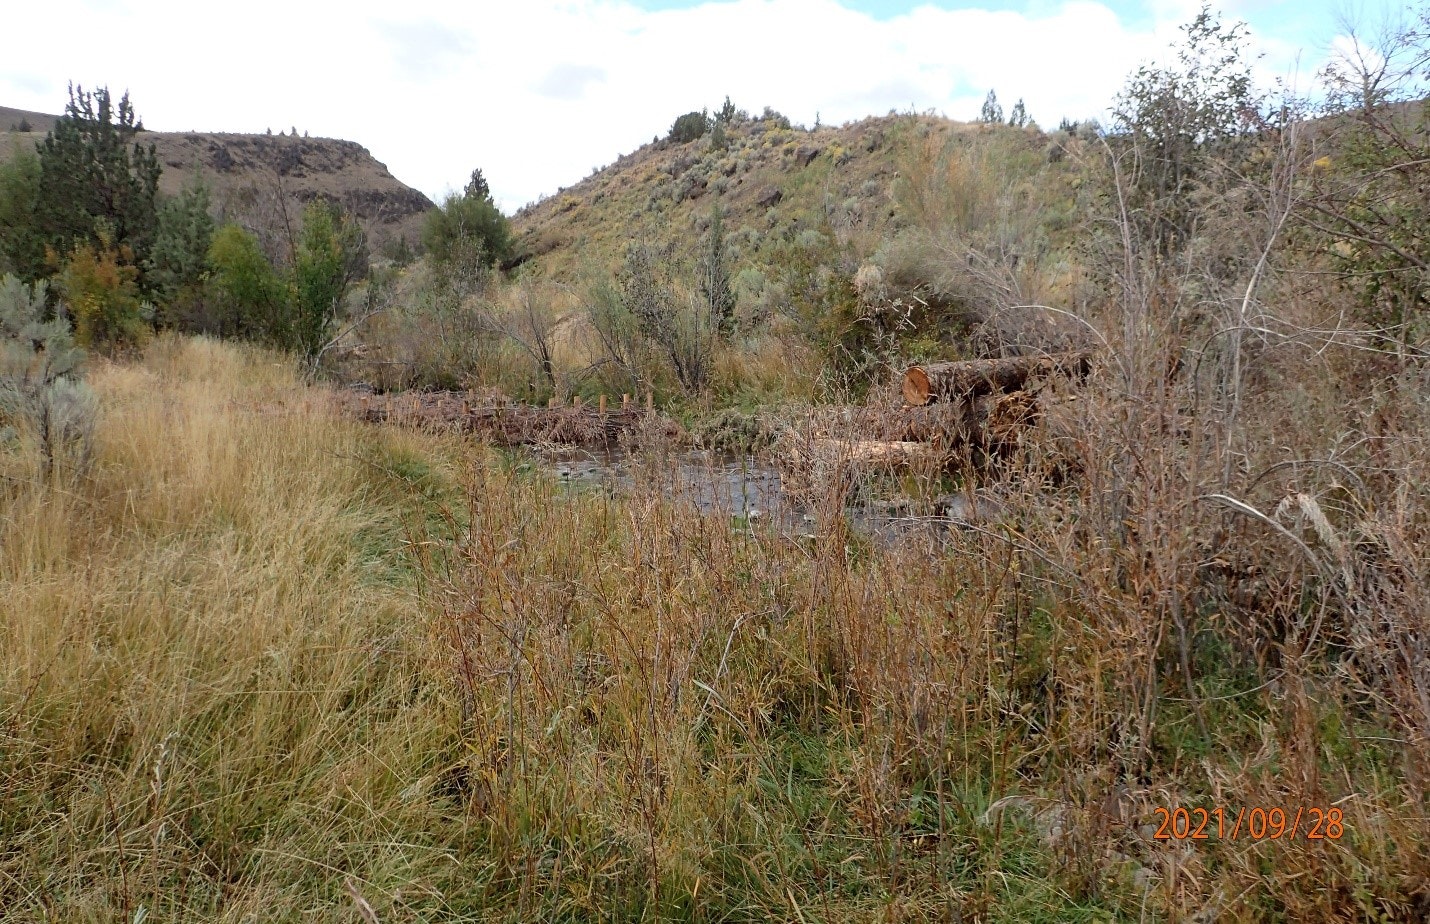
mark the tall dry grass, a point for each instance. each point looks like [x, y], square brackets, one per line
[263, 664]
[213, 699]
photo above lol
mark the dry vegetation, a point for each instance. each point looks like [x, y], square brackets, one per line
[261, 661]
[268, 652]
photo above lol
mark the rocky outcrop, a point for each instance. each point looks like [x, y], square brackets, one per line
[245, 170]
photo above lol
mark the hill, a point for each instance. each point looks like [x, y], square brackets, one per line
[23, 121]
[257, 179]
[771, 181]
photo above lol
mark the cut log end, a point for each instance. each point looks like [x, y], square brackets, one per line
[918, 391]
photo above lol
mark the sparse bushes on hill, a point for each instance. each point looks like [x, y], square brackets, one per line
[775, 119]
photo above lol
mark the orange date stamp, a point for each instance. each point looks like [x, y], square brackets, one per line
[1199, 824]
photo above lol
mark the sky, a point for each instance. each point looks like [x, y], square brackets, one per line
[539, 93]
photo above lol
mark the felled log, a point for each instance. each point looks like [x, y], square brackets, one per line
[962, 381]
[884, 453]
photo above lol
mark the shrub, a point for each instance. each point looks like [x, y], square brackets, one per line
[326, 263]
[682, 327]
[253, 301]
[772, 117]
[40, 391]
[22, 249]
[100, 282]
[690, 127]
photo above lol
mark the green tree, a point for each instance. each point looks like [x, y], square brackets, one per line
[690, 127]
[1180, 129]
[713, 275]
[991, 112]
[253, 301]
[467, 232]
[325, 264]
[1018, 118]
[477, 187]
[96, 181]
[179, 261]
[22, 249]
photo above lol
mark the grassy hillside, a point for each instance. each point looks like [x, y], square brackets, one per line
[771, 182]
[23, 121]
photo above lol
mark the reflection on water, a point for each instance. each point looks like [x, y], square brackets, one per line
[746, 489]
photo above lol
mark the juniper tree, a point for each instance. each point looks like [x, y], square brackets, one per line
[178, 262]
[713, 275]
[991, 112]
[96, 180]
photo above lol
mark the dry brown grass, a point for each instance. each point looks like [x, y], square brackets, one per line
[263, 662]
[210, 682]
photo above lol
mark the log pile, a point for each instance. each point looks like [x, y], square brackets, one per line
[953, 413]
[500, 420]
[965, 381]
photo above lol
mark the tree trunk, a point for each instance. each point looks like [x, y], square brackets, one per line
[975, 378]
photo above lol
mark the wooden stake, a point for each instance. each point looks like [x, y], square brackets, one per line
[625, 401]
[650, 400]
[577, 401]
[603, 405]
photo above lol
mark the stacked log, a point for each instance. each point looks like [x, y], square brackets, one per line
[964, 381]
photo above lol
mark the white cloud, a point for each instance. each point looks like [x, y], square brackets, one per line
[539, 92]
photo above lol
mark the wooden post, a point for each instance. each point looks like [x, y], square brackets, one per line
[603, 405]
[466, 408]
[625, 401]
[650, 400]
[577, 401]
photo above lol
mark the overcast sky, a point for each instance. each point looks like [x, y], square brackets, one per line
[539, 92]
